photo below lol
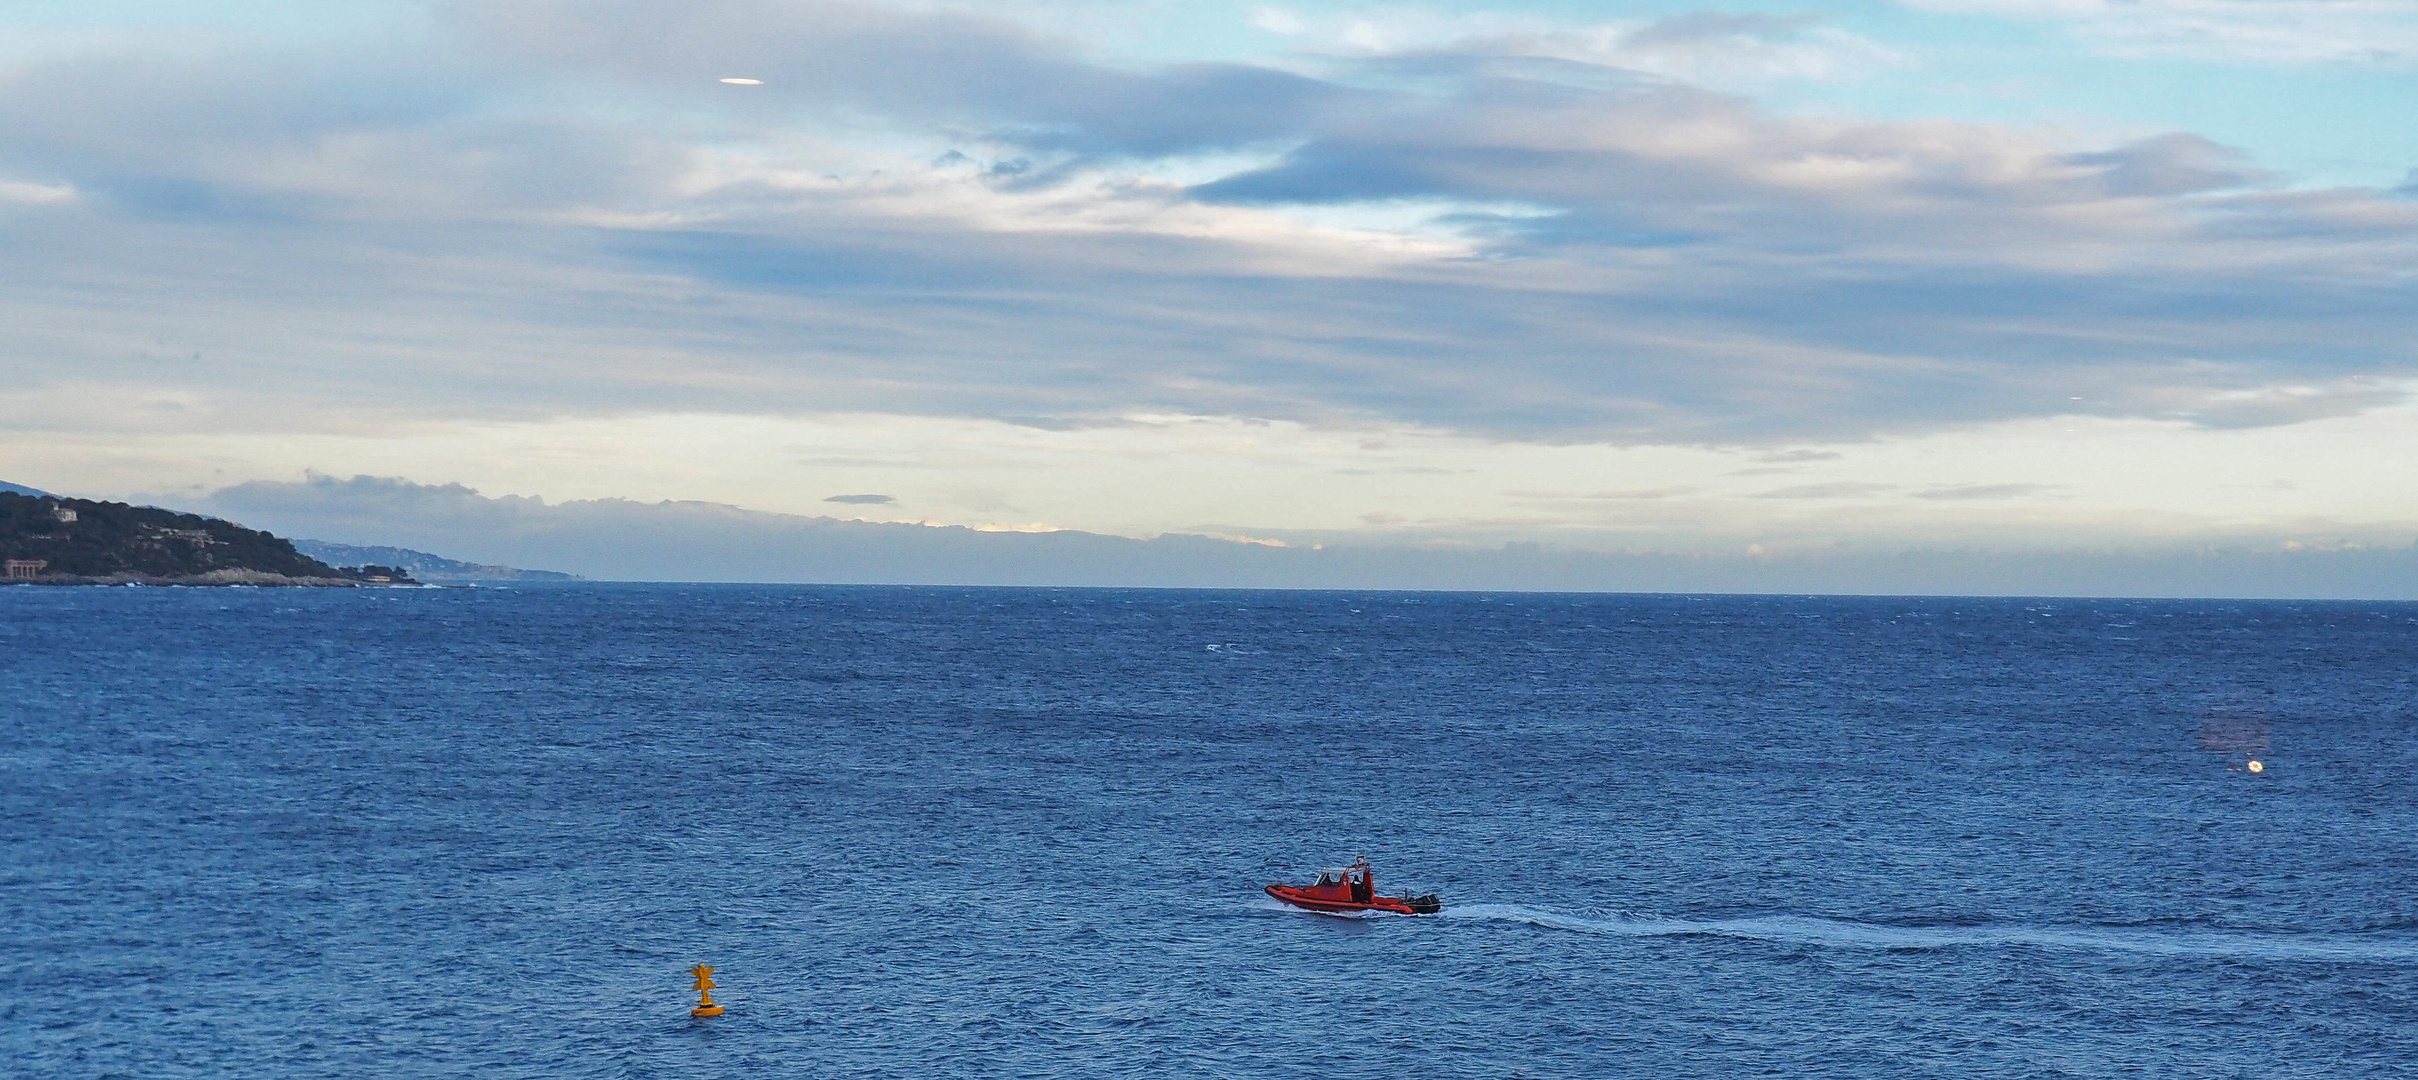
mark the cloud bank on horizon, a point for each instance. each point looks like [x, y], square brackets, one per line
[620, 539]
[554, 228]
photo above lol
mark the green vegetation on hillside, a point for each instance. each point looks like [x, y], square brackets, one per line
[87, 539]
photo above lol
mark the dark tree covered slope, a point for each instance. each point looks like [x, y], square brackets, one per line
[85, 538]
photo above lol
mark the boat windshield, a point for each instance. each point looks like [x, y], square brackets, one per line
[1327, 877]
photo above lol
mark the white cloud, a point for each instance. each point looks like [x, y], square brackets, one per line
[2277, 31]
[1707, 47]
[19, 191]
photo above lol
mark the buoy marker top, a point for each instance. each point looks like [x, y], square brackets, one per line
[705, 992]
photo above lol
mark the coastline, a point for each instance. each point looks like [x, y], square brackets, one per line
[212, 578]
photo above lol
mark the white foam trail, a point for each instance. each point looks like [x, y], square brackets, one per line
[1270, 903]
[1810, 930]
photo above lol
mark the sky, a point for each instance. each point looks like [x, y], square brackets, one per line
[1999, 281]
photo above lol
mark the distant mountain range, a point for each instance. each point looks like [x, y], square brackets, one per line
[20, 489]
[422, 565]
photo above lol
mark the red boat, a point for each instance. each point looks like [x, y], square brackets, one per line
[1353, 888]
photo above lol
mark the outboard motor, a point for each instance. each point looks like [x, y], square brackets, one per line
[1426, 905]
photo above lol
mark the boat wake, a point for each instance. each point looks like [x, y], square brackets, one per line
[1267, 903]
[1844, 933]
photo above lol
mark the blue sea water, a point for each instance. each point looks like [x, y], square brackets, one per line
[1001, 832]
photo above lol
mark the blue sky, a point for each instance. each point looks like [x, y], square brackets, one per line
[1751, 280]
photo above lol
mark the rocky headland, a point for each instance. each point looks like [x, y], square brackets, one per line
[49, 540]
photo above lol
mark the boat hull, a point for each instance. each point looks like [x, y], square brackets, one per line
[1398, 905]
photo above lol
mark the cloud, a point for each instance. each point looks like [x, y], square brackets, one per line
[1844, 489]
[1623, 495]
[613, 539]
[18, 191]
[1698, 27]
[554, 209]
[1714, 47]
[2176, 164]
[949, 67]
[2270, 31]
[1642, 494]
[263, 137]
[1983, 491]
[861, 500]
[690, 541]
[2276, 405]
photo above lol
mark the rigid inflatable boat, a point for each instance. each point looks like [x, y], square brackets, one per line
[1352, 888]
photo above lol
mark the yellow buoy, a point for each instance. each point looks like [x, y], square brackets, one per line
[705, 992]
[2257, 766]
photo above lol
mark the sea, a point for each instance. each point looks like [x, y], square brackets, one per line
[968, 832]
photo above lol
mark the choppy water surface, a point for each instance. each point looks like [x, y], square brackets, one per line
[1022, 833]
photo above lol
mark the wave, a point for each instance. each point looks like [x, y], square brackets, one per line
[1846, 933]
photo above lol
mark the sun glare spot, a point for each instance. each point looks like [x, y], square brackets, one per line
[744, 82]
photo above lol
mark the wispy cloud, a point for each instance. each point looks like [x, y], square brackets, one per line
[1843, 489]
[2277, 31]
[1613, 255]
[1982, 491]
[18, 191]
[1705, 46]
